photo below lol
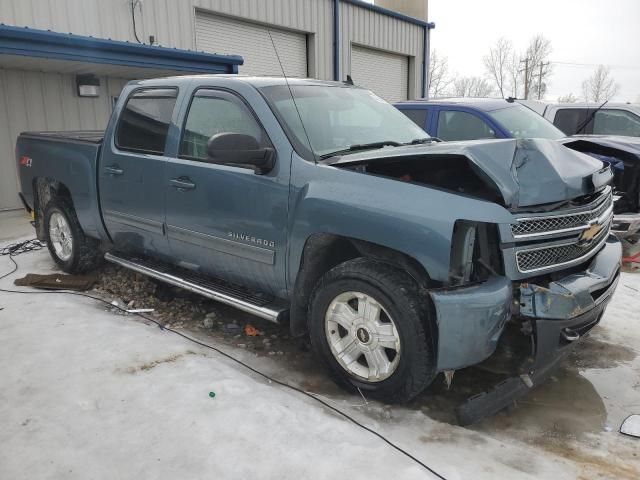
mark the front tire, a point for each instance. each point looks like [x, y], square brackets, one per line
[69, 247]
[371, 330]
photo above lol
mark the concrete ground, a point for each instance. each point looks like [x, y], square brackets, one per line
[86, 393]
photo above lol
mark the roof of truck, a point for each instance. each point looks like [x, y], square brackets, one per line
[257, 81]
[484, 104]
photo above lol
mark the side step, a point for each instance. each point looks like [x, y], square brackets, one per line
[258, 304]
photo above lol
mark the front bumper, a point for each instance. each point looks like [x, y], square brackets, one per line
[471, 319]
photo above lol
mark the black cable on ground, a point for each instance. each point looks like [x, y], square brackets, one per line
[30, 245]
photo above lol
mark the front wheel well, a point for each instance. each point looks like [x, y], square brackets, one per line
[324, 251]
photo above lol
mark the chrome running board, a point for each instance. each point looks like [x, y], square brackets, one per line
[257, 304]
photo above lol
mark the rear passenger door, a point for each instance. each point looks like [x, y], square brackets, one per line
[223, 220]
[457, 124]
[132, 171]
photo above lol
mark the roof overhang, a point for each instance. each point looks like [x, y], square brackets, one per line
[20, 46]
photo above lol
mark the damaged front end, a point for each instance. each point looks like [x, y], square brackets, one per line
[533, 286]
[563, 266]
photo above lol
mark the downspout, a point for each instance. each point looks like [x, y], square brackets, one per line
[425, 59]
[336, 40]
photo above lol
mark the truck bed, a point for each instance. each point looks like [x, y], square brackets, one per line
[85, 136]
[48, 159]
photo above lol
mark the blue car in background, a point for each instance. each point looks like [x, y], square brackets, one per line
[459, 119]
[475, 118]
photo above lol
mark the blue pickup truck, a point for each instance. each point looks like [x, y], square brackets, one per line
[455, 119]
[320, 204]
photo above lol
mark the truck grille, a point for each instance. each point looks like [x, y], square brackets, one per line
[557, 223]
[543, 257]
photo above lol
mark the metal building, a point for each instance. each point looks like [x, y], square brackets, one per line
[42, 72]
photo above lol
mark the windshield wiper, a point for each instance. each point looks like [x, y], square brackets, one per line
[362, 146]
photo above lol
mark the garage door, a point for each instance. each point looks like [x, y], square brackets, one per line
[386, 74]
[220, 34]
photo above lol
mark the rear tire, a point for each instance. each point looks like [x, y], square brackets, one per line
[371, 329]
[69, 247]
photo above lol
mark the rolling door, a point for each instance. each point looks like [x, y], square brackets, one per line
[386, 74]
[220, 34]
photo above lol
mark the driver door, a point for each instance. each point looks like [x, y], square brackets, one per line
[222, 220]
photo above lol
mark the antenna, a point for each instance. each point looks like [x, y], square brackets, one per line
[292, 97]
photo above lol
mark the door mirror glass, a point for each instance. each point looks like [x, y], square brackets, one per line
[240, 149]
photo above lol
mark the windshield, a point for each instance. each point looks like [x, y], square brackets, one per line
[525, 123]
[337, 118]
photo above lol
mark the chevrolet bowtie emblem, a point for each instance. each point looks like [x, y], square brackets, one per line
[588, 235]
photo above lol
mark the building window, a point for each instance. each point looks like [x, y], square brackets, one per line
[145, 119]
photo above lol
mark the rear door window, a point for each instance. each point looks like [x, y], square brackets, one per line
[417, 116]
[212, 112]
[145, 119]
[570, 119]
[458, 125]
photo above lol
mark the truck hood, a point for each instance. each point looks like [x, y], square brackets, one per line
[526, 172]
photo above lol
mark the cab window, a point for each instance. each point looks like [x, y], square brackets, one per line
[570, 119]
[145, 119]
[457, 125]
[417, 116]
[616, 122]
[212, 112]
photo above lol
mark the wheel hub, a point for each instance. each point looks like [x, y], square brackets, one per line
[60, 236]
[362, 336]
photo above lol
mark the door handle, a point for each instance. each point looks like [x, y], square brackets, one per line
[114, 170]
[182, 183]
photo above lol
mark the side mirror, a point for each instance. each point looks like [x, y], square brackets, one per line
[240, 149]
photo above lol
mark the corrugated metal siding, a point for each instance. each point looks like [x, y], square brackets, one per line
[367, 28]
[252, 41]
[172, 22]
[44, 101]
[386, 74]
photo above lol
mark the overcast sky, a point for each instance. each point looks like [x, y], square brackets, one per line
[581, 32]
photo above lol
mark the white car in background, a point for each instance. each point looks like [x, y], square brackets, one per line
[590, 118]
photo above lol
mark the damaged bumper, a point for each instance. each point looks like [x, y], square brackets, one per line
[556, 316]
[472, 318]
[574, 294]
[470, 321]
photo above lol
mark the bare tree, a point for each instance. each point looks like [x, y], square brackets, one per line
[515, 77]
[536, 65]
[568, 98]
[600, 86]
[439, 78]
[471, 87]
[497, 64]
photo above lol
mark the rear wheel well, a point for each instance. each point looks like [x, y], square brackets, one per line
[324, 251]
[44, 190]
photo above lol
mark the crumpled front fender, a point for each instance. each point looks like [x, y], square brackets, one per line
[574, 294]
